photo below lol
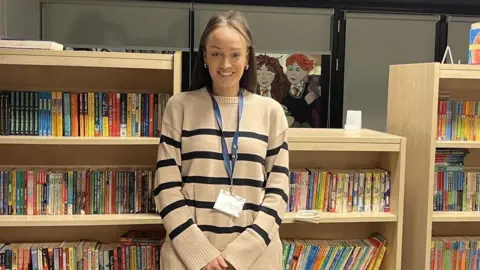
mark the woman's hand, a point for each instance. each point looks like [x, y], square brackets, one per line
[218, 263]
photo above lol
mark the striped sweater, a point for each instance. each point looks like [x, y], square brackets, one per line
[190, 172]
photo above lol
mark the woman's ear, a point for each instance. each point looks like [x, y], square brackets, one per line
[204, 58]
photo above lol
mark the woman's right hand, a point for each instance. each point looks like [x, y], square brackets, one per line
[218, 263]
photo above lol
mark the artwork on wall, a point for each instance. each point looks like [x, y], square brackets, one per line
[294, 80]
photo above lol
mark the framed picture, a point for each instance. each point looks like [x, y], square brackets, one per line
[299, 83]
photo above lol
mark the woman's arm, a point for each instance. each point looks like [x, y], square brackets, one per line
[251, 244]
[187, 239]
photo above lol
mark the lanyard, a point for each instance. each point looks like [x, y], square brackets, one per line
[229, 165]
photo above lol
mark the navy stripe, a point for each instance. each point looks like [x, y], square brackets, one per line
[273, 213]
[222, 230]
[170, 141]
[228, 134]
[165, 186]
[166, 163]
[281, 169]
[277, 191]
[177, 231]
[222, 181]
[262, 233]
[274, 151]
[218, 156]
[169, 208]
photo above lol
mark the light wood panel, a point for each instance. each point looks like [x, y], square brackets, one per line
[412, 106]
[413, 94]
[80, 71]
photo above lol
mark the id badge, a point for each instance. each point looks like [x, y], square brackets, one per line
[229, 203]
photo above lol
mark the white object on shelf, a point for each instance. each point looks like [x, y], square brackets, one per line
[354, 120]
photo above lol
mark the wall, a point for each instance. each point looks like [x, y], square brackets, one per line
[2, 17]
[117, 24]
[373, 42]
[20, 19]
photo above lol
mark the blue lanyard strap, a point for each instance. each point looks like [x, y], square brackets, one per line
[229, 163]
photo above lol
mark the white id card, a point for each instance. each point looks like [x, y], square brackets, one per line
[229, 203]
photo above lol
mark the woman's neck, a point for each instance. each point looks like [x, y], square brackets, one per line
[225, 91]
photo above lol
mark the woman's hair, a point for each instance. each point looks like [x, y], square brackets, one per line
[201, 76]
[279, 81]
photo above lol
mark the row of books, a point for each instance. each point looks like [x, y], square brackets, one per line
[462, 252]
[76, 191]
[455, 188]
[133, 251]
[334, 254]
[340, 191]
[458, 120]
[89, 114]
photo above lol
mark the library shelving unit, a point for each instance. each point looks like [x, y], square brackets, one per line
[76, 71]
[413, 94]
[341, 149]
[82, 71]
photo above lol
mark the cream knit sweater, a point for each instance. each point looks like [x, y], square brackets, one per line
[191, 172]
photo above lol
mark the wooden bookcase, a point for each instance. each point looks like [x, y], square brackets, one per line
[413, 94]
[77, 71]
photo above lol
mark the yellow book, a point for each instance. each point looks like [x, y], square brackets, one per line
[53, 111]
[59, 114]
[91, 114]
[378, 262]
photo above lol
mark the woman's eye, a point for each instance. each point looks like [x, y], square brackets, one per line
[215, 54]
[235, 55]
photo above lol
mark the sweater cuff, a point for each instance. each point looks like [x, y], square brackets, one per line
[243, 251]
[194, 248]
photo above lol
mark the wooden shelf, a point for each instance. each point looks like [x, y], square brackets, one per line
[77, 71]
[347, 217]
[455, 71]
[413, 94]
[299, 140]
[341, 140]
[25, 57]
[458, 144]
[148, 219]
[45, 140]
[79, 220]
[456, 216]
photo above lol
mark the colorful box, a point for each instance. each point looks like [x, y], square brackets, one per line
[474, 44]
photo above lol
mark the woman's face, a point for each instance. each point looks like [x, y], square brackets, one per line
[264, 76]
[226, 57]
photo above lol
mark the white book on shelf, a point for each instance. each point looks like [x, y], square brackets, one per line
[30, 44]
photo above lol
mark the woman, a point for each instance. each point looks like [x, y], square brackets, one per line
[221, 212]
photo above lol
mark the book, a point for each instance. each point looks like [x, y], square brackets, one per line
[76, 191]
[339, 191]
[82, 114]
[83, 254]
[345, 254]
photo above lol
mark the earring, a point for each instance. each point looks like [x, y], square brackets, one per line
[246, 67]
[205, 65]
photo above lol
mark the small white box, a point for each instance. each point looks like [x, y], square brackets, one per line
[354, 120]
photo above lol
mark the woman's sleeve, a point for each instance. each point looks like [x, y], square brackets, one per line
[188, 240]
[251, 244]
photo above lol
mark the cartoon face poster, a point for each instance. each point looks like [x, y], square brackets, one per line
[294, 81]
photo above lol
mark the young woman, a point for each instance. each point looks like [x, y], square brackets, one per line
[222, 177]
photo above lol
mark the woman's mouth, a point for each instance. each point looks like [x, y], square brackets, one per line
[225, 74]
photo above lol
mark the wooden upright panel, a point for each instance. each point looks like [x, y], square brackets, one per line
[412, 112]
